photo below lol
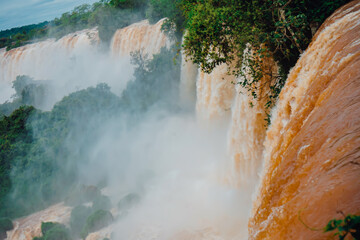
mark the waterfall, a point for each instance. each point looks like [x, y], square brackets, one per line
[189, 73]
[214, 93]
[247, 130]
[311, 157]
[37, 60]
[307, 159]
[140, 36]
[76, 62]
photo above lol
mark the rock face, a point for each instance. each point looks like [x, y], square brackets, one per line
[312, 157]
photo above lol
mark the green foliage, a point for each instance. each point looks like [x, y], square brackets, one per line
[14, 141]
[5, 224]
[83, 219]
[218, 31]
[132, 4]
[350, 225]
[53, 231]
[37, 166]
[47, 226]
[38, 238]
[78, 219]
[108, 16]
[170, 9]
[27, 92]
[155, 79]
[16, 37]
[96, 221]
[109, 19]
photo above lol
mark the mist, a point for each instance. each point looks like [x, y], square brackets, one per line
[130, 136]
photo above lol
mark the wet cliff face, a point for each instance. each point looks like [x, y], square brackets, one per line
[312, 157]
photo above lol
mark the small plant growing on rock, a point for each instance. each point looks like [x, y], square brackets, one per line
[53, 231]
[350, 225]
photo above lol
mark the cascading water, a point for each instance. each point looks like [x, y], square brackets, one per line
[139, 36]
[311, 152]
[75, 62]
[247, 128]
[189, 73]
[37, 59]
[214, 93]
[311, 149]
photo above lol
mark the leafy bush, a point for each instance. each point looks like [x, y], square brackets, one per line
[27, 92]
[53, 231]
[155, 79]
[219, 31]
[38, 238]
[78, 219]
[58, 233]
[46, 226]
[36, 160]
[96, 221]
[5, 224]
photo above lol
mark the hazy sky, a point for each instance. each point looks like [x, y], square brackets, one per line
[16, 13]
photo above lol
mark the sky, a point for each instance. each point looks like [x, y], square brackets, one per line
[16, 13]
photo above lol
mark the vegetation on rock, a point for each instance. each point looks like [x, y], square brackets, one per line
[349, 226]
[96, 221]
[218, 32]
[53, 231]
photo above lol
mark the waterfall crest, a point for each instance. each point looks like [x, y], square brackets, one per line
[37, 59]
[139, 36]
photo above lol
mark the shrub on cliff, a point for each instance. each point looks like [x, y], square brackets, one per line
[78, 218]
[96, 221]
[350, 225]
[58, 232]
[53, 231]
[5, 225]
[219, 31]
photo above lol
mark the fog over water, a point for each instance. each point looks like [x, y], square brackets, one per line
[164, 154]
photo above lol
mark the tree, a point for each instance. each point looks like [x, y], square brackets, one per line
[218, 32]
